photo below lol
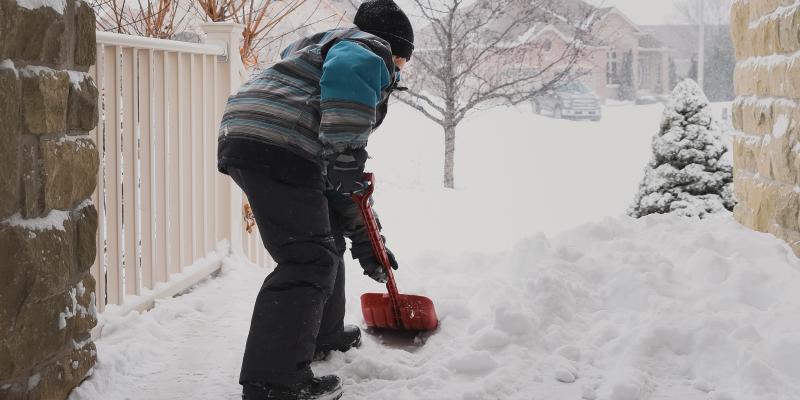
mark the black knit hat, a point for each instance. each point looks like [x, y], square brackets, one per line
[385, 19]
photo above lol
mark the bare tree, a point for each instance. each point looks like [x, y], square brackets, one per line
[219, 10]
[151, 18]
[260, 17]
[266, 22]
[481, 54]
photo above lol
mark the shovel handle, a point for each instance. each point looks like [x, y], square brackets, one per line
[362, 199]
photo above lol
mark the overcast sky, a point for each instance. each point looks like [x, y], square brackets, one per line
[644, 12]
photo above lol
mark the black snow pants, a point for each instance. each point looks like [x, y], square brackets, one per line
[302, 302]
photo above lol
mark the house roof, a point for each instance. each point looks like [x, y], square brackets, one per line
[683, 38]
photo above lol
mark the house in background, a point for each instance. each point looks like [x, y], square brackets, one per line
[615, 37]
[719, 60]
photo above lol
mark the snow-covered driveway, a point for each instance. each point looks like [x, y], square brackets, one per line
[596, 307]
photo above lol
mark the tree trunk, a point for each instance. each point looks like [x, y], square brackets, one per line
[449, 153]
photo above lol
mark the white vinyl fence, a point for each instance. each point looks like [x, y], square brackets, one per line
[166, 216]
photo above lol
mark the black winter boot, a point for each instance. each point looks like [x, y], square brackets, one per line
[328, 387]
[348, 339]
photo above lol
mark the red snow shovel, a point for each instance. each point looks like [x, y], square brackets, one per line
[393, 310]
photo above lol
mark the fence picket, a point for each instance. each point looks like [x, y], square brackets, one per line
[159, 173]
[113, 179]
[195, 133]
[184, 181]
[173, 166]
[161, 202]
[144, 64]
[129, 190]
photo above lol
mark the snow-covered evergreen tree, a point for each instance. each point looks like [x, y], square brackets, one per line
[688, 174]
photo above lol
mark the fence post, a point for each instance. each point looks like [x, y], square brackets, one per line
[230, 77]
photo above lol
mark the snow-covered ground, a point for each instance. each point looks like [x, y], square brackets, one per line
[544, 289]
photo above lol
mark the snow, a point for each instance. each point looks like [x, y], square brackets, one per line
[76, 77]
[53, 220]
[544, 288]
[57, 5]
[31, 70]
[9, 64]
[781, 126]
[33, 381]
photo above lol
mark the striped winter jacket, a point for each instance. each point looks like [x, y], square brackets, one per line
[326, 95]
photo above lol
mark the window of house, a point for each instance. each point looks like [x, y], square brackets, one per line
[548, 44]
[612, 68]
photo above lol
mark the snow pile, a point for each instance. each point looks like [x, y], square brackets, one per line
[688, 174]
[621, 309]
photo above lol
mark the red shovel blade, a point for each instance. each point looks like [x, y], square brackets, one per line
[416, 312]
[390, 310]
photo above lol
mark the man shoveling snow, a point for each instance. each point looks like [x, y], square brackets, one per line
[293, 138]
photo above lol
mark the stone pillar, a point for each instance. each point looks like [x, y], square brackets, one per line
[48, 171]
[766, 115]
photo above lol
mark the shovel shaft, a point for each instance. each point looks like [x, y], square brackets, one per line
[362, 199]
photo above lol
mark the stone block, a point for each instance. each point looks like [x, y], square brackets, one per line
[85, 239]
[69, 171]
[32, 204]
[737, 115]
[757, 40]
[764, 118]
[740, 20]
[44, 100]
[85, 40]
[793, 79]
[38, 333]
[744, 80]
[37, 265]
[55, 379]
[82, 110]
[757, 118]
[777, 80]
[790, 32]
[772, 36]
[85, 318]
[36, 36]
[744, 155]
[787, 211]
[10, 188]
[762, 80]
[777, 160]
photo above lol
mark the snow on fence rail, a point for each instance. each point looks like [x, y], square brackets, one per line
[166, 217]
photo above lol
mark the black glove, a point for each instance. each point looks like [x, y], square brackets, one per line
[369, 262]
[345, 171]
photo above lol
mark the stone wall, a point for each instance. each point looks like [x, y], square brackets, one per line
[766, 115]
[48, 171]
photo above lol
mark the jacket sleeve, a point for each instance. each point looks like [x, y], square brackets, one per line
[350, 90]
